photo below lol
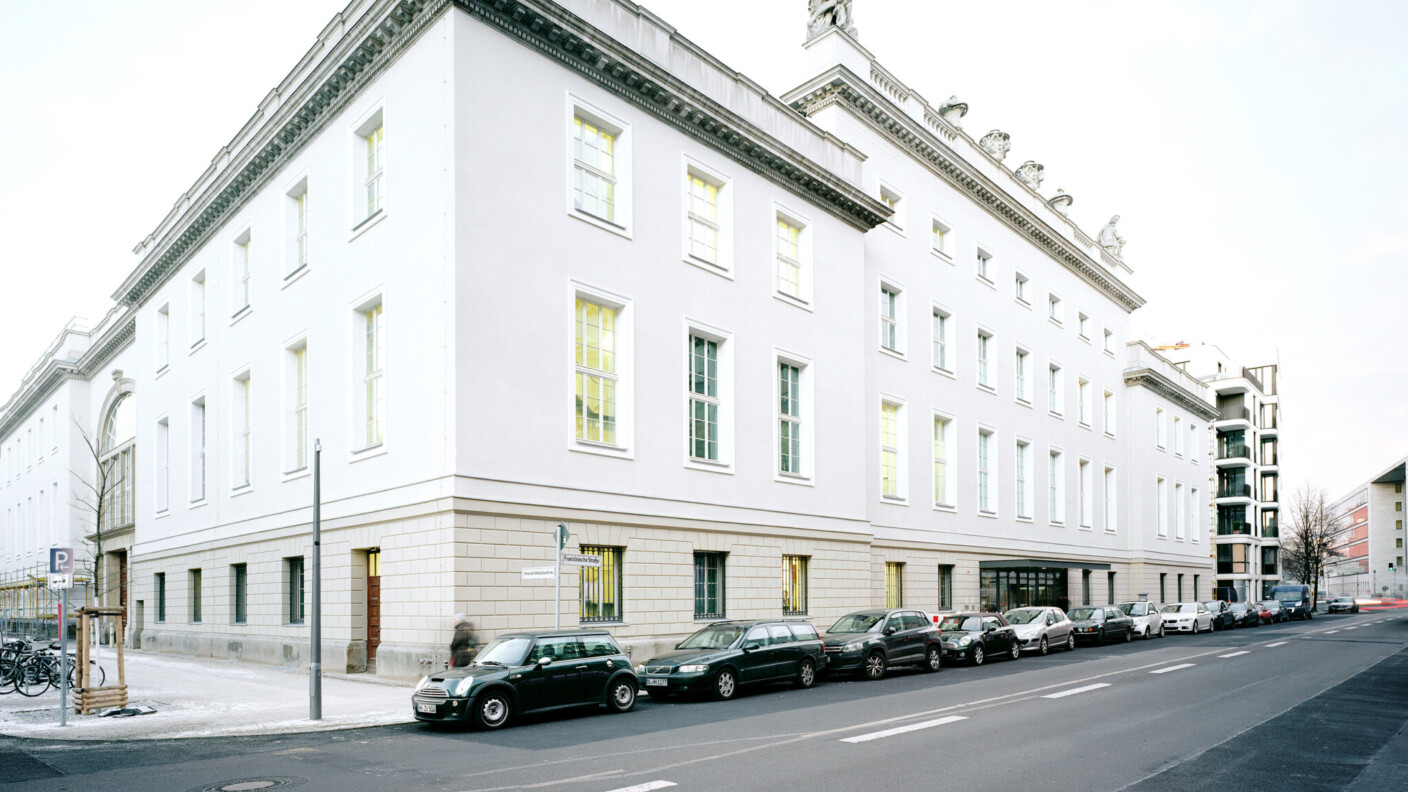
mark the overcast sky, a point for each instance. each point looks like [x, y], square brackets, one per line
[1254, 150]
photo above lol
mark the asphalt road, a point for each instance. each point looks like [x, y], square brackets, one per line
[1306, 705]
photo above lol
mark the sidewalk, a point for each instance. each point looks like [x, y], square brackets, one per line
[200, 697]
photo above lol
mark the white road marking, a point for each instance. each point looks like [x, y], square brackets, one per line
[903, 729]
[1172, 668]
[1355, 627]
[1236, 654]
[646, 787]
[1331, 632]
[1074, 691]
[1278, 643]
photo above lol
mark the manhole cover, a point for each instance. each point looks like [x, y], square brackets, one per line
[252, 784]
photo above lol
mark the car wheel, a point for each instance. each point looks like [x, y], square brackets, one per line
[806, 675]
[1100, 638]
[1162, 634]
[1070, 642]
[1016, 649]
[934, 659]
[623, 696]
[978, 655]
[875, 666]
[725, 685]
[1043, 648]
[492, 711]
[1129, 635]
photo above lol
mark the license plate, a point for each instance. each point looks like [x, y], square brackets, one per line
[430, 708]
[657, 682]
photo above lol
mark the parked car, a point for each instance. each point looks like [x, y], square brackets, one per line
[869, 642]
[1344, 605]
[1278, 612]
[1101, 624]
[1296, 599]
[977, 636]
[1190, 617]
[727, 655]
[1245, 614]
[1148, 622]
[1263, 613]
[1222, 616]
[530, 672]
[1040, 628]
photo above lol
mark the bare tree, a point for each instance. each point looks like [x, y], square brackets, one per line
[1306, 544]
[96, 492]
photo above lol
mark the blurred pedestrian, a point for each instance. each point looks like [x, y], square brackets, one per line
[463, 646]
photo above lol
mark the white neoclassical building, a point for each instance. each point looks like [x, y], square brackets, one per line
[510, 264]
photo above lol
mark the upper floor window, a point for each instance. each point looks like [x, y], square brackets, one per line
[1083, 385]
[1053, 308]
[895, 200]
[789, 418]
[986, 470]
[198, 308]
[984, 341]
[374, 181]
[1023, 368]
[1109, 413]
[891, 321]
[601, 168]
[1109, 341]
[1023, 289]
[296, 223]
[1160, 428]
[297, 378]
[1177, 435]
[163, 337]
[596, 372]
[890, 457]
[939, 238]
[945, 471]
[704, 216]
[1022, 472]
[1056, 487]
[939, 330]
[242, 443]
[703, 398]
[1055, 391]
[984, 262]
[793, 254]
[242, 271]
[373, 375]
[1083, 326]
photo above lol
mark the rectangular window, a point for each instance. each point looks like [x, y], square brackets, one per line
[789, 418]
[1084, 326]
[708, 585]
[945, 587]
[984, 339]
[940, 339]
[1053, 308]
[1023, 482]
[242, 450]
[594, 169]
[374, 175]
[239, 592]
[895, 201]
[1111, 507]
[1022, 294]
[1163, 587]
[1160, 430]
[1085, 494]
[1110, 587]
[163, 465]
[1083, 385]
[1180, 588]
[1109, 341]
[939, 238]
[163, 337]
[373, 379]
[702, 216]
[1197, 510]
[1161, 505]
[889, 318]
[296, 228]
[986, 468]
[703, 398]
[794, 585]
[890, 450]
[198, 450]
[945, 473]
[242, 271]
[1023, 367]
[894, 584]
[1085, 587]
[1109, 413]
[160, 586]
[198, 308]
[294, 590]
[984, 259]
[1178, 435]
[193, 576]
[1056, 489]
[789, 257]
[1195, 588]
[596, 376]
[1178, 530]
[297, 408]
[600, 588]
[1055, 390]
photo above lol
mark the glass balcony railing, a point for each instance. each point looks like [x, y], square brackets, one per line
[1235, 413]
[1234, 491]
[1234, 451]
[1231, 567]
[1271, 530]
[1234, 529]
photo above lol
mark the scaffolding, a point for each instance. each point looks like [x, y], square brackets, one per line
[29, 607]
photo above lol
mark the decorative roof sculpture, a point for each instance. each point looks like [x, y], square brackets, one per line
[1031, 174]
[997, 143]
[1111, 239]
[1061, 201]
[953, 111]
[824, 14]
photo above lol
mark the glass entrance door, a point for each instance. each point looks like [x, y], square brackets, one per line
[1004, 589]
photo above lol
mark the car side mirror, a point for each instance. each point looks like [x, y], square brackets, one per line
[990, 628]
[751, 646]
[891, 630]
[544, 661]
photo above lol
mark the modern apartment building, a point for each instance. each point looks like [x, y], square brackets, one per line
[760, 355]
[1369, 547]
[1246, 457]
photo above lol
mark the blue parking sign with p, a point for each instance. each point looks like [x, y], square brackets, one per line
[61, 560]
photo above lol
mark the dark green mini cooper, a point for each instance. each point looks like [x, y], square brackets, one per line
[529, 672]
[726, 655]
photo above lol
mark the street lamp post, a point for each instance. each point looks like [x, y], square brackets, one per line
[315, 666]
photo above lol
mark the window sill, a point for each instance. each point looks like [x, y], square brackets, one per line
[368, 452]
[243, 489]
[161, 514]
[294, 475]
[1084, 425]
[709, 619]
[239, 623]
[943, 372]
[197, 346]
[600, 449]
[1110, 531]
[1056, 322]
[371, 221]
[942, 256]
[1024, 403]
[601, 623]
[1058, 416]
[987, 389]
[951, 508]
[240, 314]
[1022, 303]
[196, 504]
[989, 514]
[894, 353]
[708, 466]
[986, 282]
[1085, 527]
[161, 372]
[1022, 519]
[1110, 435]
[793, 478]
[1111, 353]
[1057, 523]
[1084, 338]
[897, 229]
[894, 500]
[794, 301]
[601, 222]
[294, 277]
[709, 267]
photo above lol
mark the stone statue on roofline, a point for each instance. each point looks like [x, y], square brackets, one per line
[824, 14]
[1111, 239]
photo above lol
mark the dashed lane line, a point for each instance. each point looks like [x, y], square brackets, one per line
[860, 738]
[1236, 654]
[1331, 632]
[1278, 643]
[647, 787]
[1074, 691]
[1172, 668]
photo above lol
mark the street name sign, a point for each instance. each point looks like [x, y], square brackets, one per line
[539, 573]
[577, 559]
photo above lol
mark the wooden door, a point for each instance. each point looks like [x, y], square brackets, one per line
[373, 606]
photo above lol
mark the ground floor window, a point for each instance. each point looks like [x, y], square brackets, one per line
[1110, 586]
[294, 575]
[239, 591]
[1195, 588]
[945, 587]
[161, 596]
[708, 585]
[894, 584]
[1004, 589]
[194, 577]
[1180, 588]
[1163, 587]
[600, 588]
[1085, 587]
[794, 585]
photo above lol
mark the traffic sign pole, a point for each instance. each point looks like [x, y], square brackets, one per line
[63, 659]
[557, 577]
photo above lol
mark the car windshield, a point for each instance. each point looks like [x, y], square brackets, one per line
[1096, 614]
[1344, 600]
[1024, 615]
[1212, 604]
[1271, 604]
[1288, 594]
[504, 651]
[1238, 607]
[969, 623]
[856, 623]
[1133, 608]
[717, 636]
[1181, 607]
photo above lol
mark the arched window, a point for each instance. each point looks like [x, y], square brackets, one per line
[116, 456]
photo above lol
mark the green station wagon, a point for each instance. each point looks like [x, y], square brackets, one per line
[726, 655]
[530, 672]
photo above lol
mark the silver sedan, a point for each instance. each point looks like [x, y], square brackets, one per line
[1041, 629]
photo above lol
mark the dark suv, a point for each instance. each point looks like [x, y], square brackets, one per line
[527, 672]
[869, 642]
[726, 655]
